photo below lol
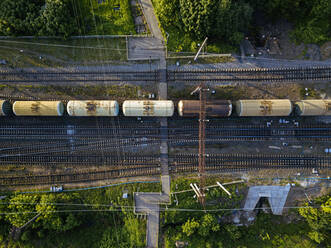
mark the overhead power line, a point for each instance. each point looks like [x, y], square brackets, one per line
[161, 210]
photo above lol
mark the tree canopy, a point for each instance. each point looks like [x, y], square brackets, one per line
[319, 219]
[37, 17]
[221, 19]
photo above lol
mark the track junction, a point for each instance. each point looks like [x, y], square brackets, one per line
[80, 150]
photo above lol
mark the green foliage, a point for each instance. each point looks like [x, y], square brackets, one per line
[232, 20]
[52, 220]
[24, 207]
[19, 17]
[189, 21]
[36, 17]
[208, 224]
[58, 226]
[56, 20]
[168, 14]
[226, 21]
[190, 227]
[107, 20]
[135, 231]
[233, 232]
[197, 16]
[114, 237]
[311, 18]
[65, 17]
[319, 220]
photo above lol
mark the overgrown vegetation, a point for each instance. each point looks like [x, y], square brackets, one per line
[107, 220]
[309, 228]
[65, 17]
[93, 219]
[77, 92]
[188, 22]
[225, 22]
[311, 18]
[62, 53]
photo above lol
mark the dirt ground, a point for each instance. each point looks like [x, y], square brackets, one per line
[118, 91]
[289, 50]
[292, 91]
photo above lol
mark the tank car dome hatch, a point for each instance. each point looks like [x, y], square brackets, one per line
[148, 108]
[214, 108]
[264, 107]
[313, 107]
[93, 108]
[5, 107]
[38, 108]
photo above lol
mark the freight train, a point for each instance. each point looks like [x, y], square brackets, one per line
[165, 108]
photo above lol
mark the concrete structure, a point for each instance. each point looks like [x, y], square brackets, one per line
[145, 48]
[148, 203]
[276, 195]
[92, 108]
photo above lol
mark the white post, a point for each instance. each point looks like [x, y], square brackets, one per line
[222, 187]
[196, 186]
[204, 42]
[195, 191]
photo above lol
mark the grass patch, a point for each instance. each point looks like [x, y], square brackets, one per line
[178, 42]
[117, 92]
[200, 60]
[57, 52]
[221, 93]
[310, 93]
[109, 17]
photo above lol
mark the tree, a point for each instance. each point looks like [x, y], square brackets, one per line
[133, 228]
[19, 17]
[56, 19]
[232, 20]
[111, 238]
[24, 208]
[197, 16]
[319, 220]
[57, 221]
[208, 224]
[168, 13]
[233, 232]
[190, 226]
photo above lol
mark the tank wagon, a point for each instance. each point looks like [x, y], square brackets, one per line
[93, 108]
[214, 108]
[264, 107]
[148, 108]
[5, 107]
[38, 108]
[313, 107]
[165, 108]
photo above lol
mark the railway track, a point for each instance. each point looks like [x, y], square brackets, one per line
[92, 76]
[217, 75]
[181, 163]
[252, 74]
[78, 177]
[17, 142]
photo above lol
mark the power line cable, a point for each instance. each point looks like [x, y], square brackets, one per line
[163, 210]
[65, 46]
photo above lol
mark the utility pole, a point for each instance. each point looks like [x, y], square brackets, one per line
[203, 43]
[202, 139]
